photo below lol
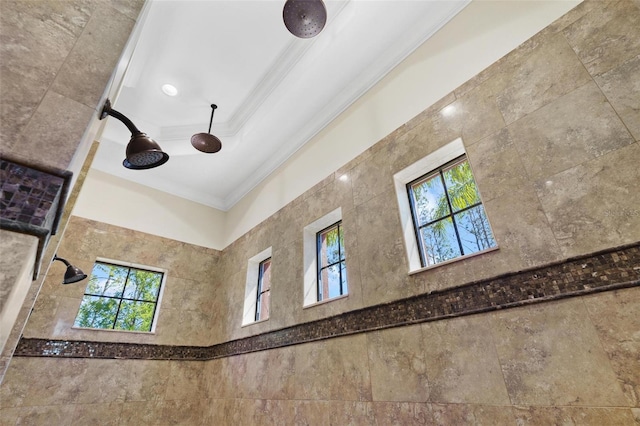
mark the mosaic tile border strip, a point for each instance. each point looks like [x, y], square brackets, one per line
[608, 270]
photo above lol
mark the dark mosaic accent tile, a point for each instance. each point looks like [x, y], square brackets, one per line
[108, 350]
[603, 271]
[32, 199]
[27, 195]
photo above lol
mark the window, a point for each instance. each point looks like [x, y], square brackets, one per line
[264, 289]
[332, 274]
[325, 274]
[120, 297]
[441, 212]
[448, 215]
[257, 291]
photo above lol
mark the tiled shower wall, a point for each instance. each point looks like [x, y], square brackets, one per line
[57, 58]
[551, 131]
[189, 292]
[564, 362]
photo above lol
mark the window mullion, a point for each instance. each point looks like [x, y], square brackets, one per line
[453, 219]
[416, 225]
[339, 259]
[259, 296]
[319, 269]
[115, 319]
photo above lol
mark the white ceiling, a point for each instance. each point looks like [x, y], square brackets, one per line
[274, 91]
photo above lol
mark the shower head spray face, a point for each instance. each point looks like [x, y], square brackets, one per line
[206, 142]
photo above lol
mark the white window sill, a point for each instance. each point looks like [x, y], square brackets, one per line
[457, 259]
[254, 322]
[322, 302]
[112, 330]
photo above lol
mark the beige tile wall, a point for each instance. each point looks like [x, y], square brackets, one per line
[57, 58]
[564, 362]
[551, 131]
[190, 286]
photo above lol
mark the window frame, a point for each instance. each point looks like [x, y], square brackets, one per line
[452, 213]
[344, 288]
[422, 168]
[310, 259]
[129, 265]
[260, 291]
[251, 287]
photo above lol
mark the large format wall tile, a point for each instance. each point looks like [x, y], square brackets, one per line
[247, 375]
[550, 355]
[16, 383]
[59, 415]
[220, 412]
[287, 264]
[36, 39]
[55, 383]
[186, 381]
[371, 178]
[129, 8]
[281, 373]
[461, 362]
[141, 413]
[533, 416]
[621, 86]
[147, 380]
[617, 322]
[103, 414]
[397, 365]
[468, 414]
[263, 412]
[401, 413]
[90, 63]
[521, 230]
[45, 135]
[476, 114]
[192, 327]
[574, 128]
[594, 205]
[419, 137]
[183, 412]
[351, 413]
[607, 36]
[381, 253]
[333, 194]
[104, 381]
[537, 77]
[309, 413]
[345, 360]
[497, 165]
[218, 385]
[576, 13]
[42, 319]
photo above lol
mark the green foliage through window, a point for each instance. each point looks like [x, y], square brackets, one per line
[119, 298]
[332, 273]
[448, 214]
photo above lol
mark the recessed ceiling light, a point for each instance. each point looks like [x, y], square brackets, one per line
[169, 90]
